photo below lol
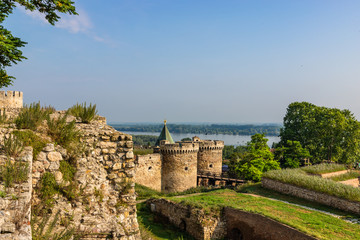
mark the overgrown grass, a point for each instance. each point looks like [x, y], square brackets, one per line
[2, 194]
[32, 116]
[146, 193]
[65, 134]
[151, 227]
[13, 146]
[323, 168]
[46, 230]
[143, 151]
[299, 178]
[84, 112]
[29, 138]
[346, 176]
[14, 171]
[317, 224]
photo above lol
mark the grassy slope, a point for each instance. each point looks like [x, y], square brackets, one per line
[314, 223]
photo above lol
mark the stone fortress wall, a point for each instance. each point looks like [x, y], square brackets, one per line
[177, 165]
[148, 170]
[105, 177]
[11, 99]
[208, 157]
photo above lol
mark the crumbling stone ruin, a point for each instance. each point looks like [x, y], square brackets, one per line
[174, 167]
[103, 204]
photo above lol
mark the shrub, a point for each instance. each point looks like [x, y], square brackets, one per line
[2, 194]
[3, 117]
[29, 138]
[48, 188]
[32, 116]
[299, 178]
[61, 132]
[13, 146]
[85, 113]
[14, 172]
[67, 170]
[39, 233]
[323, 168]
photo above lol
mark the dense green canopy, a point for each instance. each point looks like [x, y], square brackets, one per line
[327, 133]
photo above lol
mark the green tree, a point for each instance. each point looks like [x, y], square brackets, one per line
[291, 155]
[10, 52]
[327, 133]
[255, 161]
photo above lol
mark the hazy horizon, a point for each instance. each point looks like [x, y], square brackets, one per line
[192, 61]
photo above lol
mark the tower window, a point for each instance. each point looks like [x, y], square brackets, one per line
[149, 168]
[210, 166]
[186, 168]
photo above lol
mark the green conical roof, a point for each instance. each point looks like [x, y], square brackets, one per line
[164, 135]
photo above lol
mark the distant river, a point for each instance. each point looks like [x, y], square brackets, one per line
[235, 140]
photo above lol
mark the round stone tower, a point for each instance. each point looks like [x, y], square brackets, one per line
[179, 166]
[210, 157]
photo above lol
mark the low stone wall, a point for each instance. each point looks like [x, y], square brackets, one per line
[15, 208]
[229, 224]
[346, 205]
[194, 221]
[251, 226]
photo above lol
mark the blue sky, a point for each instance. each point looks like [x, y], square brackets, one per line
[192, 61]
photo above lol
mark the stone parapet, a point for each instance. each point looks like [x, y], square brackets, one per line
[11, 99]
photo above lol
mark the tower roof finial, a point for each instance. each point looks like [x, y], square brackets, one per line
[165, 122]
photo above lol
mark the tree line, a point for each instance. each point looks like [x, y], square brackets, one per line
[231, 129]
[310, 135]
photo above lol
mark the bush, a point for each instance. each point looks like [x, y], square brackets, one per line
[13, 146]
[299, 178]
[31, 117]
[323, 168]
[48, 188]
[29, 138]
[14, 172]
[85, 113]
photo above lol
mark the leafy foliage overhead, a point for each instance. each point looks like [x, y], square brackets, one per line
[9, 45]
[327, 133]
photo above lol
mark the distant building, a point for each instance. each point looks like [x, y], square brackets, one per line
[174, 166]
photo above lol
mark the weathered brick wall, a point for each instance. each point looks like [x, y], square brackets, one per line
[15, 207]
[346, 205]
[194, 221]
[148, 170]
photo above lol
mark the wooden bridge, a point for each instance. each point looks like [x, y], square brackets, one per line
[218, 180]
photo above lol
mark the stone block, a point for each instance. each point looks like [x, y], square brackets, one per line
[41, 156]
[54, 156]
[49, 147]
[130, 154]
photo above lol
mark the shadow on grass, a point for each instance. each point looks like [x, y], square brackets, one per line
[151, 228]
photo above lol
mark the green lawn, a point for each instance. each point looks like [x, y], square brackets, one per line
[314, 223]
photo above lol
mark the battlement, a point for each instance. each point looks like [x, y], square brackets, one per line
[211, 145]
[11, 99]
[179, 147]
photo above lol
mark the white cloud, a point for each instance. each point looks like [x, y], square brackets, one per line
[73, 23]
